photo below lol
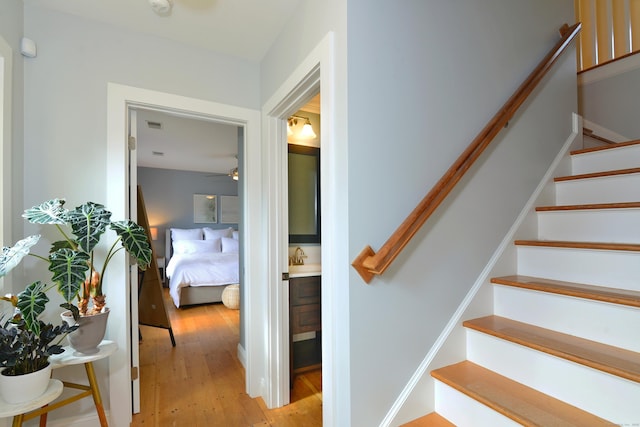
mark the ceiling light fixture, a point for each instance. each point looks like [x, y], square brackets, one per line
[161, 7]
[307, 130]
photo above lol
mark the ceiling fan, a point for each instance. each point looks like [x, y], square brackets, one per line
[233, 173]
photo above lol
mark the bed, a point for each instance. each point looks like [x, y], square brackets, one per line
[202, 262]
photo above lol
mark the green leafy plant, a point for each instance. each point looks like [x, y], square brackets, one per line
[72, 260]
[25, 346]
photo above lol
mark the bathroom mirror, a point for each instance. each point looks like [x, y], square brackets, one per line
[304, 194]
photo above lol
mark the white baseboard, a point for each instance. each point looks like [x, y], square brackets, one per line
[242, 356]
[83, 421]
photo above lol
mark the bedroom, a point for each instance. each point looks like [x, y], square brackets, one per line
[185, 168]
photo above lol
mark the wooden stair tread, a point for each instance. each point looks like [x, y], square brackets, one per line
[623, 205]
[580, 245]
[606, 147]
[613, 360]
[597, 174]
[579, 290]
[431, 420]
[516, 401]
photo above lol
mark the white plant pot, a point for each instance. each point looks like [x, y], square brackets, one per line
[91, 332]
[24, 388]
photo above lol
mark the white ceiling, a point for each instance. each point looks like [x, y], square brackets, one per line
[241, 28]
[185, 143]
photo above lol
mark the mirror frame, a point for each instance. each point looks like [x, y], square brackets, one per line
[315, 152]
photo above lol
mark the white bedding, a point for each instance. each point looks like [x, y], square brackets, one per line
[209, 269]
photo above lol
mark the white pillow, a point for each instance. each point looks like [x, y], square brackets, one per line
[229, 245]
[235, 234]
[210, 233]
[185, 247]
[186, 234]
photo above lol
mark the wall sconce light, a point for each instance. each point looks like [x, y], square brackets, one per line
[154, 233]
[234, 174]
[307, 130]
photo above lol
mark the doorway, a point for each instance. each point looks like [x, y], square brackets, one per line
[120, 100]
[176, 158]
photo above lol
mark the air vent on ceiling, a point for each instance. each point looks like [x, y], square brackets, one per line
[154, 125]
[157, 153]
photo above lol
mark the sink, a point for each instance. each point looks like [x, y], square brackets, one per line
[306, 269]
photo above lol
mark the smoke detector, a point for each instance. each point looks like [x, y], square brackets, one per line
[161, 7]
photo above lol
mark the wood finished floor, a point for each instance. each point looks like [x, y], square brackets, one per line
[201, 382]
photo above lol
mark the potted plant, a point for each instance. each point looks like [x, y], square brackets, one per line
[74, 263]
[26, 342]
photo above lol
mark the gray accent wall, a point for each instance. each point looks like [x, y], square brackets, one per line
[168, 197]
[424, 79]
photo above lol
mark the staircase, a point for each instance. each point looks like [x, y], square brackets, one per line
[563, 345]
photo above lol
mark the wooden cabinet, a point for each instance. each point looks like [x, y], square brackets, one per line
[304, 316]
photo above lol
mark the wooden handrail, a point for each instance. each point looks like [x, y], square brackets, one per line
[368, 263]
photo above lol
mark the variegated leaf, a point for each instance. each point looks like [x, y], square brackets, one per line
[88, 222]
[11, 256]
[69, 270]
[31, 303]
[134, 240]
[49, 212]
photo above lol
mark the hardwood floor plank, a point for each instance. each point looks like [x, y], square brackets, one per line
[201, 382]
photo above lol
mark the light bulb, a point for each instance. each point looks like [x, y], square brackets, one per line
[307, 131]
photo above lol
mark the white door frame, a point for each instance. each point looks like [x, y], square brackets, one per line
[6, 105]
[317, 70]
[119, 99]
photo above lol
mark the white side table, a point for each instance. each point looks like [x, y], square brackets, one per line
[27, 410]
[70, 357]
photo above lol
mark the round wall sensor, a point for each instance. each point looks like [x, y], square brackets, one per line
[161, 7]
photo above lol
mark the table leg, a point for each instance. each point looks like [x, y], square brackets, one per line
[43, 419]
[95, 391]
[17, 420]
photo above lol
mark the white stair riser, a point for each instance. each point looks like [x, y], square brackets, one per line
[464, 411]
[619, 269]
[597, 321]
[602, 225]
[601, 394]
[606, 160]
[610, 189]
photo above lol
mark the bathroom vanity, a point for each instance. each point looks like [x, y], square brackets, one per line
[305, 321]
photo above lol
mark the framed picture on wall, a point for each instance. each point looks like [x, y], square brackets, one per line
[205, 208]
[229, 210]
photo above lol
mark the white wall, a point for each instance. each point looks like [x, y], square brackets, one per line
[424, 78]
[610, 96]
[66, 104]
[11, 29]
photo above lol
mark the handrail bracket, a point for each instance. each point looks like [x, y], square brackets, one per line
[358, 264]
